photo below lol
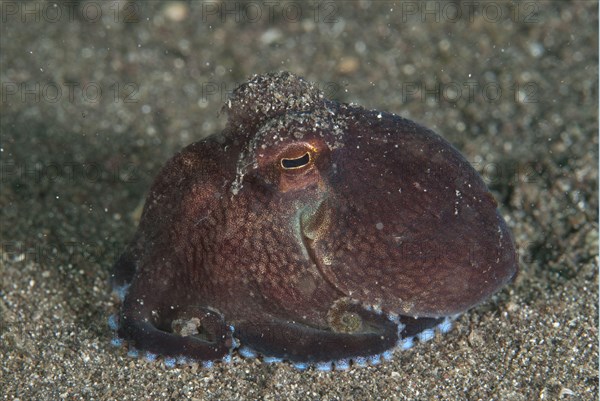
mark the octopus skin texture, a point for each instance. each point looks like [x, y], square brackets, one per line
[310, 231]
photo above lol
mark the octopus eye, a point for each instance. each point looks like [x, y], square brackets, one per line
[295, 163]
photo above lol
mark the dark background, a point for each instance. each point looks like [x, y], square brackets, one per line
[96, 96]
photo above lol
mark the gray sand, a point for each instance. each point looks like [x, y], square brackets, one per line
[93, 105]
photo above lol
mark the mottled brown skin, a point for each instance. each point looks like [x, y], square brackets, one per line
[301, 215]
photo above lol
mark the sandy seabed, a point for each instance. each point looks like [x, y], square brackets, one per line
[96, 96]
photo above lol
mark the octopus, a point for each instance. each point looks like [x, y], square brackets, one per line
[311, 231]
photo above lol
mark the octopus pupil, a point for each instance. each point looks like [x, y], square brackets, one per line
[295, 163]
